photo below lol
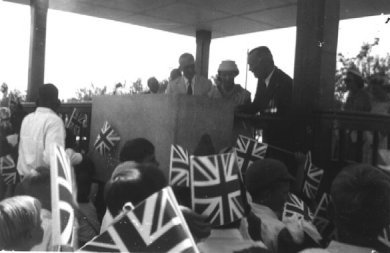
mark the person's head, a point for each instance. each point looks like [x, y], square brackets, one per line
[354, 80]
[376, 87]
[153, 85]
[260, 62]
[361, 202]
[187, 65]
[20, 219]
[48, 97]
[133, 183]
[175, 73]
[139, 150]
[268, 183]
[227, 71]
[37, 184]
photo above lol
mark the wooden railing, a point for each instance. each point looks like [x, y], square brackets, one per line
[338, 136]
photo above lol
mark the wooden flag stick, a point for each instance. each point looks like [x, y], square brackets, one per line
[281, 149]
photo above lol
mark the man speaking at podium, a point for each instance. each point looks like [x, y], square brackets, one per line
[189, 83]
[273, 99]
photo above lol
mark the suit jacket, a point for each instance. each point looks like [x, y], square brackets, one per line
[278, 94]
[201, 86]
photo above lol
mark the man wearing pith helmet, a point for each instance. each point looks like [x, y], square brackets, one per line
[189, 83]
[225, 86]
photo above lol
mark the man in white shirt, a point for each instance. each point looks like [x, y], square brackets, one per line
[39, 131]
[190, 83]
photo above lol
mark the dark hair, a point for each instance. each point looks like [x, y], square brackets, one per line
[136, 150]
[19, 215]
[48, 96]
[361, 199]
[132, 184]
[37, 184]
[262, 50]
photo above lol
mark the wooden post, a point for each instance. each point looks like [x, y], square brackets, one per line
[203, 39]
[36, 69]
[314, 73]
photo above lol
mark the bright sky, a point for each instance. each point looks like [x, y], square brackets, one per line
[81, 50]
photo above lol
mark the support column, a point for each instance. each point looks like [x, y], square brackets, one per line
[36, 69]
[314, 73]
[203, 39]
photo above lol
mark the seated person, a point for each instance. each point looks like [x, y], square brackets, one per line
[268, 183]
[20, 223]
[225, 86]
[37, 185]
[361, 202]
[131, 182]
[142, 151]
[139, 150]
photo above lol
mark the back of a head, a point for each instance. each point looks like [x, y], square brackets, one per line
[20, 219]
[361, 198]
[48, 96]
[132, 183]
[136, 150]
[265, 174]
[37, 184]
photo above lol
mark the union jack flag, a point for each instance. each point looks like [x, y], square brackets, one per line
[106, 139]
[62, 199]
[179, 167]
[321, 217]
[8, 169]
[384, 237]
[312, 178]
[249, 150]
[297, 209]
[76, 121]
[155, 225]
[216, 188]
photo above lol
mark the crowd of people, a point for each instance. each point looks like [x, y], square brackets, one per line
[360, 193]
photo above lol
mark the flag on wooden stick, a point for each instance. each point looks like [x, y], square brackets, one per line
[249, 150]
[216, 188]
[106, 139]
[62, 201]
[76, 122]
[155, 225]
[296, 208]
[312, 178]
[8, 169]
[179, 167]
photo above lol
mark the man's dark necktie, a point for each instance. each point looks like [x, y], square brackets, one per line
[189, 89]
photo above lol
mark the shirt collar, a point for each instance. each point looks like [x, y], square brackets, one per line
[336, 246]
[264, 210]
[44, 109]
[268, 79]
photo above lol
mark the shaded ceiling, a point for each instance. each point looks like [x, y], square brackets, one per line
[222, 17]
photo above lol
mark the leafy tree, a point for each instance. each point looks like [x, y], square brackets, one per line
[365, 62]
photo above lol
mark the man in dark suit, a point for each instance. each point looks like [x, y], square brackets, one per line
[273, 98]
[274, 87]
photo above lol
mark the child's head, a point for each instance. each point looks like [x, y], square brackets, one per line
[20, 221]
